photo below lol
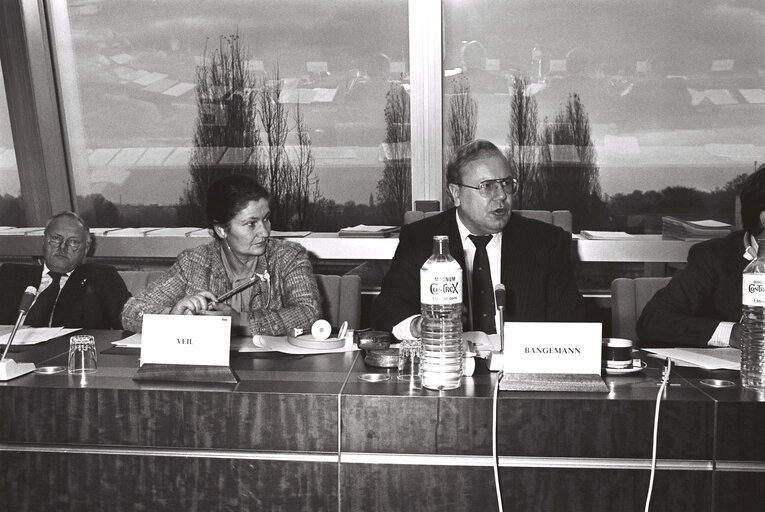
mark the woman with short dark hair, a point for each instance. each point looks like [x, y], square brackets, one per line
[284, 295]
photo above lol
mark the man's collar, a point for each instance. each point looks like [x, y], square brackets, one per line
[46, 270]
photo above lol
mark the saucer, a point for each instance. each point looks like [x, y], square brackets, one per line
[627, 371]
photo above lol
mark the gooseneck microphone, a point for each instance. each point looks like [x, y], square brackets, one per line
[500, 298]
[10, 369]
[27, 298]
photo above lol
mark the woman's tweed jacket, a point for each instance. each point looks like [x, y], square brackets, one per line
[294, 295]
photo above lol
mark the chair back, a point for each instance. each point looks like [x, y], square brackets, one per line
[137, 280]
[340, 299]
[561, 218]
[628, 298]
[415, 215]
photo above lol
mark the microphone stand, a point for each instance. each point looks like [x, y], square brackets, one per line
[10, 369]
[495, 361]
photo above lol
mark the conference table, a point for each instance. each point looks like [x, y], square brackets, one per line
[306, 433]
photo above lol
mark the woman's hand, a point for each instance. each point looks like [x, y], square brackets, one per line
[193, 304]
[217, 309]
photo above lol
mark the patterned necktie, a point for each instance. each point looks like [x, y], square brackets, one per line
[483, 291]
[39, 315]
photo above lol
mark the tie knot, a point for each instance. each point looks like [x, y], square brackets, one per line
[480, 241]
[56, 276]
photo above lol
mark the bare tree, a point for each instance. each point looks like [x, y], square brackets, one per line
[568, 166]
[394, 190]
[226, 118]
[290, 175]
[462, 119]
[274, 120]
[303, 185]
[522, 146]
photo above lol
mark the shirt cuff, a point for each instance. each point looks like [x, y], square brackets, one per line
[402, 331]
[721, 336]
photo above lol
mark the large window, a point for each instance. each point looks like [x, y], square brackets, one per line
[618, 111]
[310, 97]
[11, 207]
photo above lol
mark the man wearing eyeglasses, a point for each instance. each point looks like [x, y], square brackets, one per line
[532, 259]
[70, 293]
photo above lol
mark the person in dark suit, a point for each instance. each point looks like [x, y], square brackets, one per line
[701, 305]
[70, 293]
[532, 259]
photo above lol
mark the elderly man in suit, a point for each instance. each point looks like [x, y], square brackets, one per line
[532, 259]
[71, 293]
[701, 305]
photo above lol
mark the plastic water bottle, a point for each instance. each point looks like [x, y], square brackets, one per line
[753, 322]
[441, 307]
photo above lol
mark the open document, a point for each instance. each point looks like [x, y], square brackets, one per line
[708, 358]
[35, 335]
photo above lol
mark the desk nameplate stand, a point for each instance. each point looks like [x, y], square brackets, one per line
[552, 356]
[186, 373]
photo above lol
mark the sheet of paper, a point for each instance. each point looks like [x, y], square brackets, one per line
[708, 358]
[133, 341]
[280, 344]
[605, 235]
[35, 335]
[365, 228]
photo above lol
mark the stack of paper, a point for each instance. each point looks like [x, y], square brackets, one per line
[363, 230]
[680, 229]
[604, 235]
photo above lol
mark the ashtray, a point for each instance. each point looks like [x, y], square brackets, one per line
[387, 358]
[626, 371]
[718, 383]
[49, 370]
[374, 377]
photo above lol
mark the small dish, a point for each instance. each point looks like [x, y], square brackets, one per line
[49, 370]
[627, 371]
[374, 377]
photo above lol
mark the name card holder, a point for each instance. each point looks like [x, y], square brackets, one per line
[552, 356]
[186, 373]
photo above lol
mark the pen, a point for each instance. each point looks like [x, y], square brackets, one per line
[238, 289]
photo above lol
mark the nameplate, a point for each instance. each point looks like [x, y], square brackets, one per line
[552, 347]
[186, 339]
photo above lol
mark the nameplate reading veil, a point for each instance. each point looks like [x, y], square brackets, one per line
[552, 356]
[186, 339]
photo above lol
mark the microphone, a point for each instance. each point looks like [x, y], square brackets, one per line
[495, 360]
[500, 298]
[9, 369]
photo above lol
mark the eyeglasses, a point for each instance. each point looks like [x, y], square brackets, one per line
[71, 244]
[488, 188]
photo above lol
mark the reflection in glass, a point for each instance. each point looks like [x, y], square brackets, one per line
[158, 95]
[620, 112]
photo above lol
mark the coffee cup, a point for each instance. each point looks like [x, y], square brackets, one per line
[617, 352]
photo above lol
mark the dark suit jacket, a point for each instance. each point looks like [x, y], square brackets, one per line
[92, 297]
[536, 270]
[706, 292]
